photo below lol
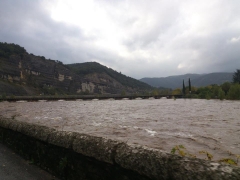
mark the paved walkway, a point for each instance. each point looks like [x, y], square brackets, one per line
[13, 167]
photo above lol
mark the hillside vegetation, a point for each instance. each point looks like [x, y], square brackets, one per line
[22, 73]
[83, 69]
[6, 50]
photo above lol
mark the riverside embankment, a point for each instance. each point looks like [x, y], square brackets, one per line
[66, 139]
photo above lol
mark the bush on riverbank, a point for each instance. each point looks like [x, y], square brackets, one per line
[234, 92]
[227, 90]
[182, 151]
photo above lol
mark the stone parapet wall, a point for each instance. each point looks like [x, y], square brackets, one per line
[71, 155]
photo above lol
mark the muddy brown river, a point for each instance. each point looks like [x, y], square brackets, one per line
[209, 125]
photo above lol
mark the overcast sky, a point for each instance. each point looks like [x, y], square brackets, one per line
[140, 38]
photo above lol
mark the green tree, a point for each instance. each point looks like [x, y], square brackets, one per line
[183, 89]
[189, 85]
[176, 91]
[123, 93]
[6, 50]
[215, 91]
[234, 92]
[155, 92]
[236, 76]
[221, 94]
[204, 92]
[225, 87]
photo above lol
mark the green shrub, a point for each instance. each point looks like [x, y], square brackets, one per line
[182, 151]
[225, 87]
[221, 94]
[208, 96]
[234, 92]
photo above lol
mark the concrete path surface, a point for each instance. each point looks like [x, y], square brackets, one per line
[14, 167]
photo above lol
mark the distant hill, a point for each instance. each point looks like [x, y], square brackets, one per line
[88, 68]
[22, 73]
[197, 80]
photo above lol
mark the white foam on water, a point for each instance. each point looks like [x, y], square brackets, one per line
[183, 134]
[96, 124]
[152, 133]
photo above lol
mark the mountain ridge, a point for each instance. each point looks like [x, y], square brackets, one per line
[197, 80]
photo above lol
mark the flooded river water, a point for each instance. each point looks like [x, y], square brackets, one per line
[210, 125]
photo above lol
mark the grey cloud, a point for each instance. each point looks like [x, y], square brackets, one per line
[28, 24]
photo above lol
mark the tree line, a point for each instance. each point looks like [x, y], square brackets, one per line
[6, 50]
[226, 90]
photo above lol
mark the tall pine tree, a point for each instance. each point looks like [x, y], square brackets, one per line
[183, 89]
[236, 76]
[189, 85]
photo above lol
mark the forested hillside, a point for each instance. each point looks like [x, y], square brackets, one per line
[84, 69]
[22, 73]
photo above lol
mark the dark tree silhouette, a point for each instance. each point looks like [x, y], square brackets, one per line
[236, 76]
[225, 87]
[6, 50]
[184, 89]
[189, 85]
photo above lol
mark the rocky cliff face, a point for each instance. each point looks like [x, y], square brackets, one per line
[22, 74]
[29, 70]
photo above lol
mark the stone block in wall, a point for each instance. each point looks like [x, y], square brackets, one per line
[99, 148]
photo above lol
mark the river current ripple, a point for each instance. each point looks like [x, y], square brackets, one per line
[209, 125]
